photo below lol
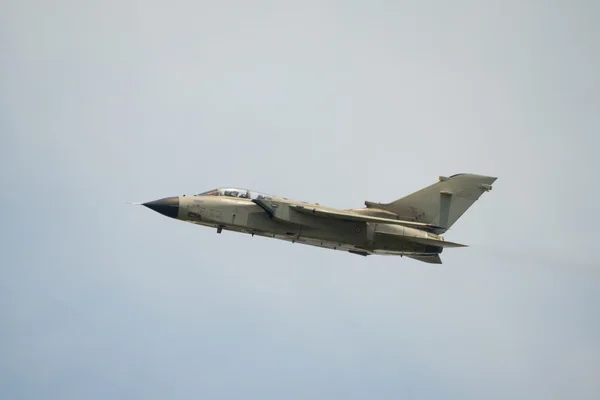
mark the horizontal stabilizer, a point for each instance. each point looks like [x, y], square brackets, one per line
[433, 242]
[430, 259]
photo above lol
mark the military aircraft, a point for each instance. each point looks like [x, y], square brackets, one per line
[411, 226]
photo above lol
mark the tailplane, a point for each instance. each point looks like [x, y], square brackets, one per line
[428, 258]
[442, 203]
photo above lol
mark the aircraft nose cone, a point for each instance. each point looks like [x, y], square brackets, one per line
[168, 206]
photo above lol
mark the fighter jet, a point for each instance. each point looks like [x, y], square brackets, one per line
[411, 226]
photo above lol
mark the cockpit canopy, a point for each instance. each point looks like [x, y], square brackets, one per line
[235, 192]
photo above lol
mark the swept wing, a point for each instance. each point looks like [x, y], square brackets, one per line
[350, 216]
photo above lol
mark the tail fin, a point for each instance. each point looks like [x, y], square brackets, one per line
[442, 203]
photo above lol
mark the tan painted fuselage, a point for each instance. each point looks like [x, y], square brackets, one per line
[242, 215]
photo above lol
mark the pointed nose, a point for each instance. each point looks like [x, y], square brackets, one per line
[168, 206]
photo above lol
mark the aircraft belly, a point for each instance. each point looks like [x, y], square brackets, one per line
[315, 242]
[326, 244]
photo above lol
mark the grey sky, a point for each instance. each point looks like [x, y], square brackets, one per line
[103, 102]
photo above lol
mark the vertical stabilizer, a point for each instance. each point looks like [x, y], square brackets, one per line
[442, 203]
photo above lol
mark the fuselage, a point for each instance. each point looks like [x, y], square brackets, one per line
[245, 216]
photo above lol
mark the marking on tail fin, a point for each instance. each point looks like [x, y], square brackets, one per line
[445, 200]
